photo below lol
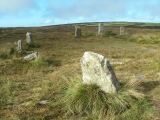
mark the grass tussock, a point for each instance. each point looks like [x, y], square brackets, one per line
[148, 39]
[88, 34]
[30, 46]
[109, 34]
[41, 62]
[84, 100]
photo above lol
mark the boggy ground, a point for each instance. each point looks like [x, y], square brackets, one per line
[24, 84]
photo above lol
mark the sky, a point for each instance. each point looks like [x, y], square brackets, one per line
[27, 13]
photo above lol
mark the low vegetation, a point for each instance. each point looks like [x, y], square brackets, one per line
[55, 76]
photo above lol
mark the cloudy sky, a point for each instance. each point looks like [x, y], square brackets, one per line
[16, 13]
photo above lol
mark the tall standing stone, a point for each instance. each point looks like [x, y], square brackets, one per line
[121, 30]
[29, 38]
[100, 28]
[96, 69]
[77, 31]
[19, 43]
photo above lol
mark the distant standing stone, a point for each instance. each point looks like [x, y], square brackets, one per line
[19, 43]
[77, 31]
[100, 28]
[97, 70]
[31, 56]
[121, 30]
[29, 38]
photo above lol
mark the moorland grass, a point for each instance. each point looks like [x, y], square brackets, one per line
[90, 102]
[54, 76]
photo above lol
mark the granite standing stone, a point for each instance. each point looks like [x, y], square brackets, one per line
[121, 30]
[96, 69]
[77, 31]
[19, 43]
[100, 28]
[29, 39]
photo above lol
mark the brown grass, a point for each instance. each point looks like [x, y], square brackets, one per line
[24, 85]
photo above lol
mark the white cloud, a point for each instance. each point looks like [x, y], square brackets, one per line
[48, 21]
[11, 6]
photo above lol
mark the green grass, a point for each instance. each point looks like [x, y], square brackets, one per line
[90, 102]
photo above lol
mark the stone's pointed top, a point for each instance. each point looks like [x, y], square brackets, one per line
[91, 55]
[28, 33]
[96, 69]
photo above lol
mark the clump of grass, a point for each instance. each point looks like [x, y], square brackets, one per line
[109, 34]
[7, 53]
[122, 37]
[20, 53]
[41, 62]
[88, 34]
[4, 89]
[148, 39]
[3, 55]
[16, 65]
[90, 101]
[31, 46]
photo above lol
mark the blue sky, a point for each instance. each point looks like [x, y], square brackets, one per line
[17, 13]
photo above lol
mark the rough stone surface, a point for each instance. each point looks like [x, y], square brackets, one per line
[31, 56]
[77, 31]
[100, 28]
[29, 38]
[97, 70]
[19, 43]
[140, 76]
[121, 30]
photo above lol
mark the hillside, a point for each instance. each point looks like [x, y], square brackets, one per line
[23, 85]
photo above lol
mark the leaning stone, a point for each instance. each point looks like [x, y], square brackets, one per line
[31, 56]
[29, 39]
[77, 31]
[96, 69]
[100, 28]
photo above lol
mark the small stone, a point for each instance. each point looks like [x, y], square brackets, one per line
[96, 69]
[31, 56]
[43, 102]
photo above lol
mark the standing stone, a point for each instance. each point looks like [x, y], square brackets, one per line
[29, 38]
[97, 70]
[31, 56]
[100, 28]
[121, 30]
[77, 31]
[19, 43]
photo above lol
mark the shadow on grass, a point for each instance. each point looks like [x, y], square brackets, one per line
[57, 63]
[148, 86]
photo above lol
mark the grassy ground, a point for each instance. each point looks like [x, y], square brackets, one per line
[56, 75]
